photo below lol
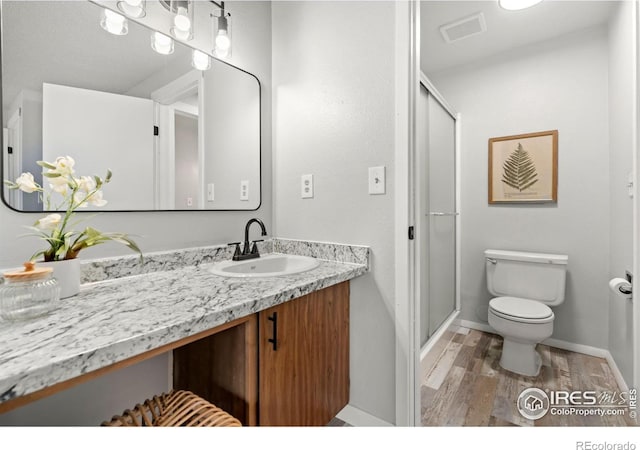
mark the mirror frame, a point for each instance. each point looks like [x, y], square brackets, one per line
[94, 211]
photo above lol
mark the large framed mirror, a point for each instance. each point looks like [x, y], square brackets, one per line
[175, 138]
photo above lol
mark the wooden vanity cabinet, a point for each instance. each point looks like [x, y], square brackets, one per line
[287, 365]
[304, 359]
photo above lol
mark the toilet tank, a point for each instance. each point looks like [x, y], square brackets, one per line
[535, 276]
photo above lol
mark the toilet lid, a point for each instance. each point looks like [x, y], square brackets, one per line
[520, 307]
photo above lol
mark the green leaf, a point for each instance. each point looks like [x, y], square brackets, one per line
[36, 255]
[51, 175]
[46, 165]
[519, 171]
[60, 251]
[108, 177]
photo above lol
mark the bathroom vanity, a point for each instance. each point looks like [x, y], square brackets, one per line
[270, 350]
[295, 354]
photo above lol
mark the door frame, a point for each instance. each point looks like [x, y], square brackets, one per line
[13, 133]
[167, 103]
[636, 195]
[407, 335]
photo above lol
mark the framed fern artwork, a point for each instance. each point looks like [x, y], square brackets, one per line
[524, 168]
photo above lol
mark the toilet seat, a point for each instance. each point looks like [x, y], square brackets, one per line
[521, 310]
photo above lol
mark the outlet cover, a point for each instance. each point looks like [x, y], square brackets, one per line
[210, 192]
[377, 180]
[306, 186]
[244, 190]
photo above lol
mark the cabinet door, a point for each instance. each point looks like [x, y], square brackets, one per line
[304, 375]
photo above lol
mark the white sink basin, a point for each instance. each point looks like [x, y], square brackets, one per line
[271, 265]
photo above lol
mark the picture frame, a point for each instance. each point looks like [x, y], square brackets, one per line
[523, 168]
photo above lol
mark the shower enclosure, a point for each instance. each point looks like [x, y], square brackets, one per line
[437, 211]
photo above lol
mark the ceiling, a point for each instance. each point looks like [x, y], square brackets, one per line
[62, 42]
[506, 30]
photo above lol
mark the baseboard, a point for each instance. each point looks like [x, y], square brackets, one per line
[359, 418]
[622, 384]
[475, 325]
[564, 345]
[577, 348]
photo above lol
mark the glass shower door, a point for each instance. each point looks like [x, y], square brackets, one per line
[438, 214]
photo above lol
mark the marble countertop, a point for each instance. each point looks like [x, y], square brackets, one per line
[113, 320]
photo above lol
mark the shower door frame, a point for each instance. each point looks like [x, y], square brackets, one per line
[419, 175]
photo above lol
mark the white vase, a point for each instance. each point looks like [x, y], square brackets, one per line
[67, 273]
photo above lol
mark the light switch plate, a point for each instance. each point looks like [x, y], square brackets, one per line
[244, 190]
[210, 192]
[306, 186]
[377, 180]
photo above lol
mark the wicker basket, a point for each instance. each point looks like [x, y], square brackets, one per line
[175, 409]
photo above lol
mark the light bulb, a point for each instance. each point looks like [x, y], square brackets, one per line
[162, 43]
[223, 43]
[114, 23]
[200, 60]
[132, 8]
[181, 20]
[181, 28]
[515, 5]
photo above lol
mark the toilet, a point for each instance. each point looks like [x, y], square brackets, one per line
[525, 286]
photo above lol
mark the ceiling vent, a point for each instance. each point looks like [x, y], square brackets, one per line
[463, 28]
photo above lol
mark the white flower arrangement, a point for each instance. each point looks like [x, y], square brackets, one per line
[76, 192]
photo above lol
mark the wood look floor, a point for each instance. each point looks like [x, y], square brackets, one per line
[464, 385]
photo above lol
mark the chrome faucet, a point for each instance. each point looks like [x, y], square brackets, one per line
[248, 251]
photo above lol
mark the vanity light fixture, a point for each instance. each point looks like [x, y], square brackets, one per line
[161, 43]
[114, 23]
[133, 8]
[515, 5]
[222, 33]
[200, 60]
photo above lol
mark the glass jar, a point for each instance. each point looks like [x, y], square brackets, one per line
[29, 293]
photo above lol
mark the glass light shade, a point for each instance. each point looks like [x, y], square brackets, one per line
[222, 33]
[181, 20]
[114, 23]
[182, 28]
[161, 43]
[515, 5]
[133, 8]
[200, 60]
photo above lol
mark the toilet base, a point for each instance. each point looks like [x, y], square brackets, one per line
[521, 358]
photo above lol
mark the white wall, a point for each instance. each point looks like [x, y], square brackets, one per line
[621, 107]
[559, 84]
[160, 231]
[333, 75]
